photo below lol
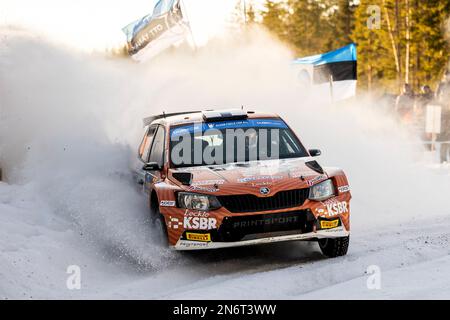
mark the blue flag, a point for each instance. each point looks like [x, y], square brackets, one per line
[152, 34]
[332, 74]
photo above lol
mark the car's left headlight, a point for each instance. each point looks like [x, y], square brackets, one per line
[195, 201]
[322, 191]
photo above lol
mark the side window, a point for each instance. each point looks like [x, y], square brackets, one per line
[157, 152]
[147, 143]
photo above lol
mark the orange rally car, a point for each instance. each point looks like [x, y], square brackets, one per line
[228, 178]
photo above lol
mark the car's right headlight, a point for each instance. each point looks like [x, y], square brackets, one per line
[322, 191]
[196, 201]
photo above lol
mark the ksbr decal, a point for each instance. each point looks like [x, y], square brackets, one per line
[198, 223]
[333, 208]
[336, 208]
[343, 189]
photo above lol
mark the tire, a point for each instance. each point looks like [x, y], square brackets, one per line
[159, 232]
[334, 247]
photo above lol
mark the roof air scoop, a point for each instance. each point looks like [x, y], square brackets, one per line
[232, 114]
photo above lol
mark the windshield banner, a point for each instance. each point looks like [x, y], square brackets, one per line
[233, 124]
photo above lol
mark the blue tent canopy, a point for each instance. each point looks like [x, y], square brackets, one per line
[347, 53]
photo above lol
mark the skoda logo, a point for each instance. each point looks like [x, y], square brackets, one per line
[264, 190]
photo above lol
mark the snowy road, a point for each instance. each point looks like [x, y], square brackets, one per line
[413, 258]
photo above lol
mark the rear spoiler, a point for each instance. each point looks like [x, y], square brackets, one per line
[147, 121]
[208, 115]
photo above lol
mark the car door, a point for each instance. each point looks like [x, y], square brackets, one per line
[144, 154]
[156, 155]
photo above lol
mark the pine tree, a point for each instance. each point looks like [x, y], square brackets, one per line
[371, 44]
[273, 18]
[309, 27]
[430, 50]
[343, 22]
[391, 55]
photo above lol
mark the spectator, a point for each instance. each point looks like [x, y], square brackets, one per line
[426, 94]
[423, 100]
[443, 90]
[443, 98]
[444, 136]
[404, 105]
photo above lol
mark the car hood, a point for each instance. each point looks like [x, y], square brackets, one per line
[243, 177]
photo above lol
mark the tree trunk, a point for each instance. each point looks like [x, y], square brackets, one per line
[394, 46]
[408, 40]
[369, 65]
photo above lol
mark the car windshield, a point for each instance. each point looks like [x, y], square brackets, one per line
[209, 143]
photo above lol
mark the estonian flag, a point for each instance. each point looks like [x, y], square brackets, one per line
[152, 34]
[332, 74]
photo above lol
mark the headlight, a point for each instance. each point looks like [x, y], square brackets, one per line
[322, 191]
[195, 201]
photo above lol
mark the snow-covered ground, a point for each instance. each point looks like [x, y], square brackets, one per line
[69, 124]
[36, 251]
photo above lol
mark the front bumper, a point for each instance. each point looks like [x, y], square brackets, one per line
[320, 234]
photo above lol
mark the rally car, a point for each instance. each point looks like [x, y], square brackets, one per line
[216, 179]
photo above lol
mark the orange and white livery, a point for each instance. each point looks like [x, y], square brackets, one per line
[217, 179]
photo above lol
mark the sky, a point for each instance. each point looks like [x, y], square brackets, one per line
[96, 24]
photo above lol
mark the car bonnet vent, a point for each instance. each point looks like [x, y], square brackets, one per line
[314, 165]
[184, 177]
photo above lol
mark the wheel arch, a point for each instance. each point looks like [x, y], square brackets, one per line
[154, 202]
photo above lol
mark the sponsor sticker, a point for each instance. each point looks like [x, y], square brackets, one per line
[329, 224]
[201, 214]
[336, 207]
[167, 203]
[204, 237]
[333, 208]
[199, 223]
[198, 244]
[204, 189]
[343, 189]
[207, 182]
[314, 180]
[251, 179]
[262, 183]
[174, 223]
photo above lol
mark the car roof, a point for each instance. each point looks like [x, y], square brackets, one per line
[180, 118]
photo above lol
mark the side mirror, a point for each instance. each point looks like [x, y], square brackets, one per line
[151, 166]
[315, 152]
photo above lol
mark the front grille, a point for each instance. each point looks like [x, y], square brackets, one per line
[252, 203]
[235, 228]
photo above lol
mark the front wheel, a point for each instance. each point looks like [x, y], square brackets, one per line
[334, 247]
[159, 232]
